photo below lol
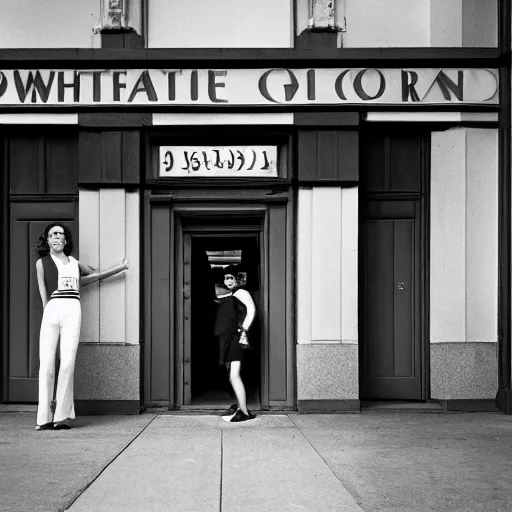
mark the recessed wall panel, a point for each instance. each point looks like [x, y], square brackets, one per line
[226, 24]
[448, 236]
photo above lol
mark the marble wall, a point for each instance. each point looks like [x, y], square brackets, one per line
[327, 291]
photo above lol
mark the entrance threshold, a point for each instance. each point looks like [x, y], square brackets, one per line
[399, 406]
[186, 411]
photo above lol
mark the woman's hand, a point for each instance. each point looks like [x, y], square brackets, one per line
[244, 340]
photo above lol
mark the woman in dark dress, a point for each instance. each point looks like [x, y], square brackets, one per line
[235, 315]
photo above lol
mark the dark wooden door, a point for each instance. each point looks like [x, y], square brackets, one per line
[40, 169]
[391, 328]
[392, 239]
[28, 220]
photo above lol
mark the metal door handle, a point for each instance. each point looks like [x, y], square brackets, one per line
[400, 286]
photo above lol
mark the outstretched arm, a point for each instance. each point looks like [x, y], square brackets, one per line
[85, 270]
[97, 276]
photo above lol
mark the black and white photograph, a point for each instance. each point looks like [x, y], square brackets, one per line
[256, 255]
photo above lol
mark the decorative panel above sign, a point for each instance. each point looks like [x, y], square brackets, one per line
[272, 87]
[218, 161]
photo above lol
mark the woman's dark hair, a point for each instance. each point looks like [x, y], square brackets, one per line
[43, 249]
[232, 270]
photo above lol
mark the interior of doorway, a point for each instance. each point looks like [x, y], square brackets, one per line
[210, 387]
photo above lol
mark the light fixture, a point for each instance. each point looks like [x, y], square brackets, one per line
[114, 14]
[327, 15]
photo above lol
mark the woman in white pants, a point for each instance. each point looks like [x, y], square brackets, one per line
[59, 277]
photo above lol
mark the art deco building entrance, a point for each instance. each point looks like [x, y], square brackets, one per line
[189, 242]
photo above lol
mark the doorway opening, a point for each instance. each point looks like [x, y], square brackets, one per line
[208, 385]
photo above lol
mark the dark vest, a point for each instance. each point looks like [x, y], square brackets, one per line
[51, 275]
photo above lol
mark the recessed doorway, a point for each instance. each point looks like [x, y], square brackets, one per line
[208, 385]
[188, 241]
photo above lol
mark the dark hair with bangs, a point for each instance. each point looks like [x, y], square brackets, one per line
[43, 249]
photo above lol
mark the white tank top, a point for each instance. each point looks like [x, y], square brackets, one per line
[68, 284]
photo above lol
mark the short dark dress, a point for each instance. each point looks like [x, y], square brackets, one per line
[230, 316]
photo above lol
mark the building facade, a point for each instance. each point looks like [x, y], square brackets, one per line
[353, 156]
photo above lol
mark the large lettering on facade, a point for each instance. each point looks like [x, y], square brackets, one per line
[280, 86]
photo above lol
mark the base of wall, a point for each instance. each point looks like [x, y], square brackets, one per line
[504, 401]
[463, 371]
[483, 405]
[84, 407]
[327, 372]
[325, 406]
[107, 372]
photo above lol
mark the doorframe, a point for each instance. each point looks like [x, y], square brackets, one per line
[185, 204]
[146, 296]
[4, 268]
[425, 264]
[182, 214]
[184, 272]
[424, 256]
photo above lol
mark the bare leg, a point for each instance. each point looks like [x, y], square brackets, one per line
[238, 385]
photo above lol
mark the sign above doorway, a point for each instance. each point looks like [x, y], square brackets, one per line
[218, 161]
[227, 87]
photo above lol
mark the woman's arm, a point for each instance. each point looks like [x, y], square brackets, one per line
[245, 297]
[85, 270]
[40, 282]
[97, 276]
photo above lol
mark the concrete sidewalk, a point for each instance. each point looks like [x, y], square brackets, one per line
[373, 461]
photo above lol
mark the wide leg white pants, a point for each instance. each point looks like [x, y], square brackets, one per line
[61, 317]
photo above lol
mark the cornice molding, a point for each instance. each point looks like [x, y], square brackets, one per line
[252, 57]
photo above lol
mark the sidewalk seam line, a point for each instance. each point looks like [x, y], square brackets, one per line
[354, 497]
[69, 505]
[221, 465]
